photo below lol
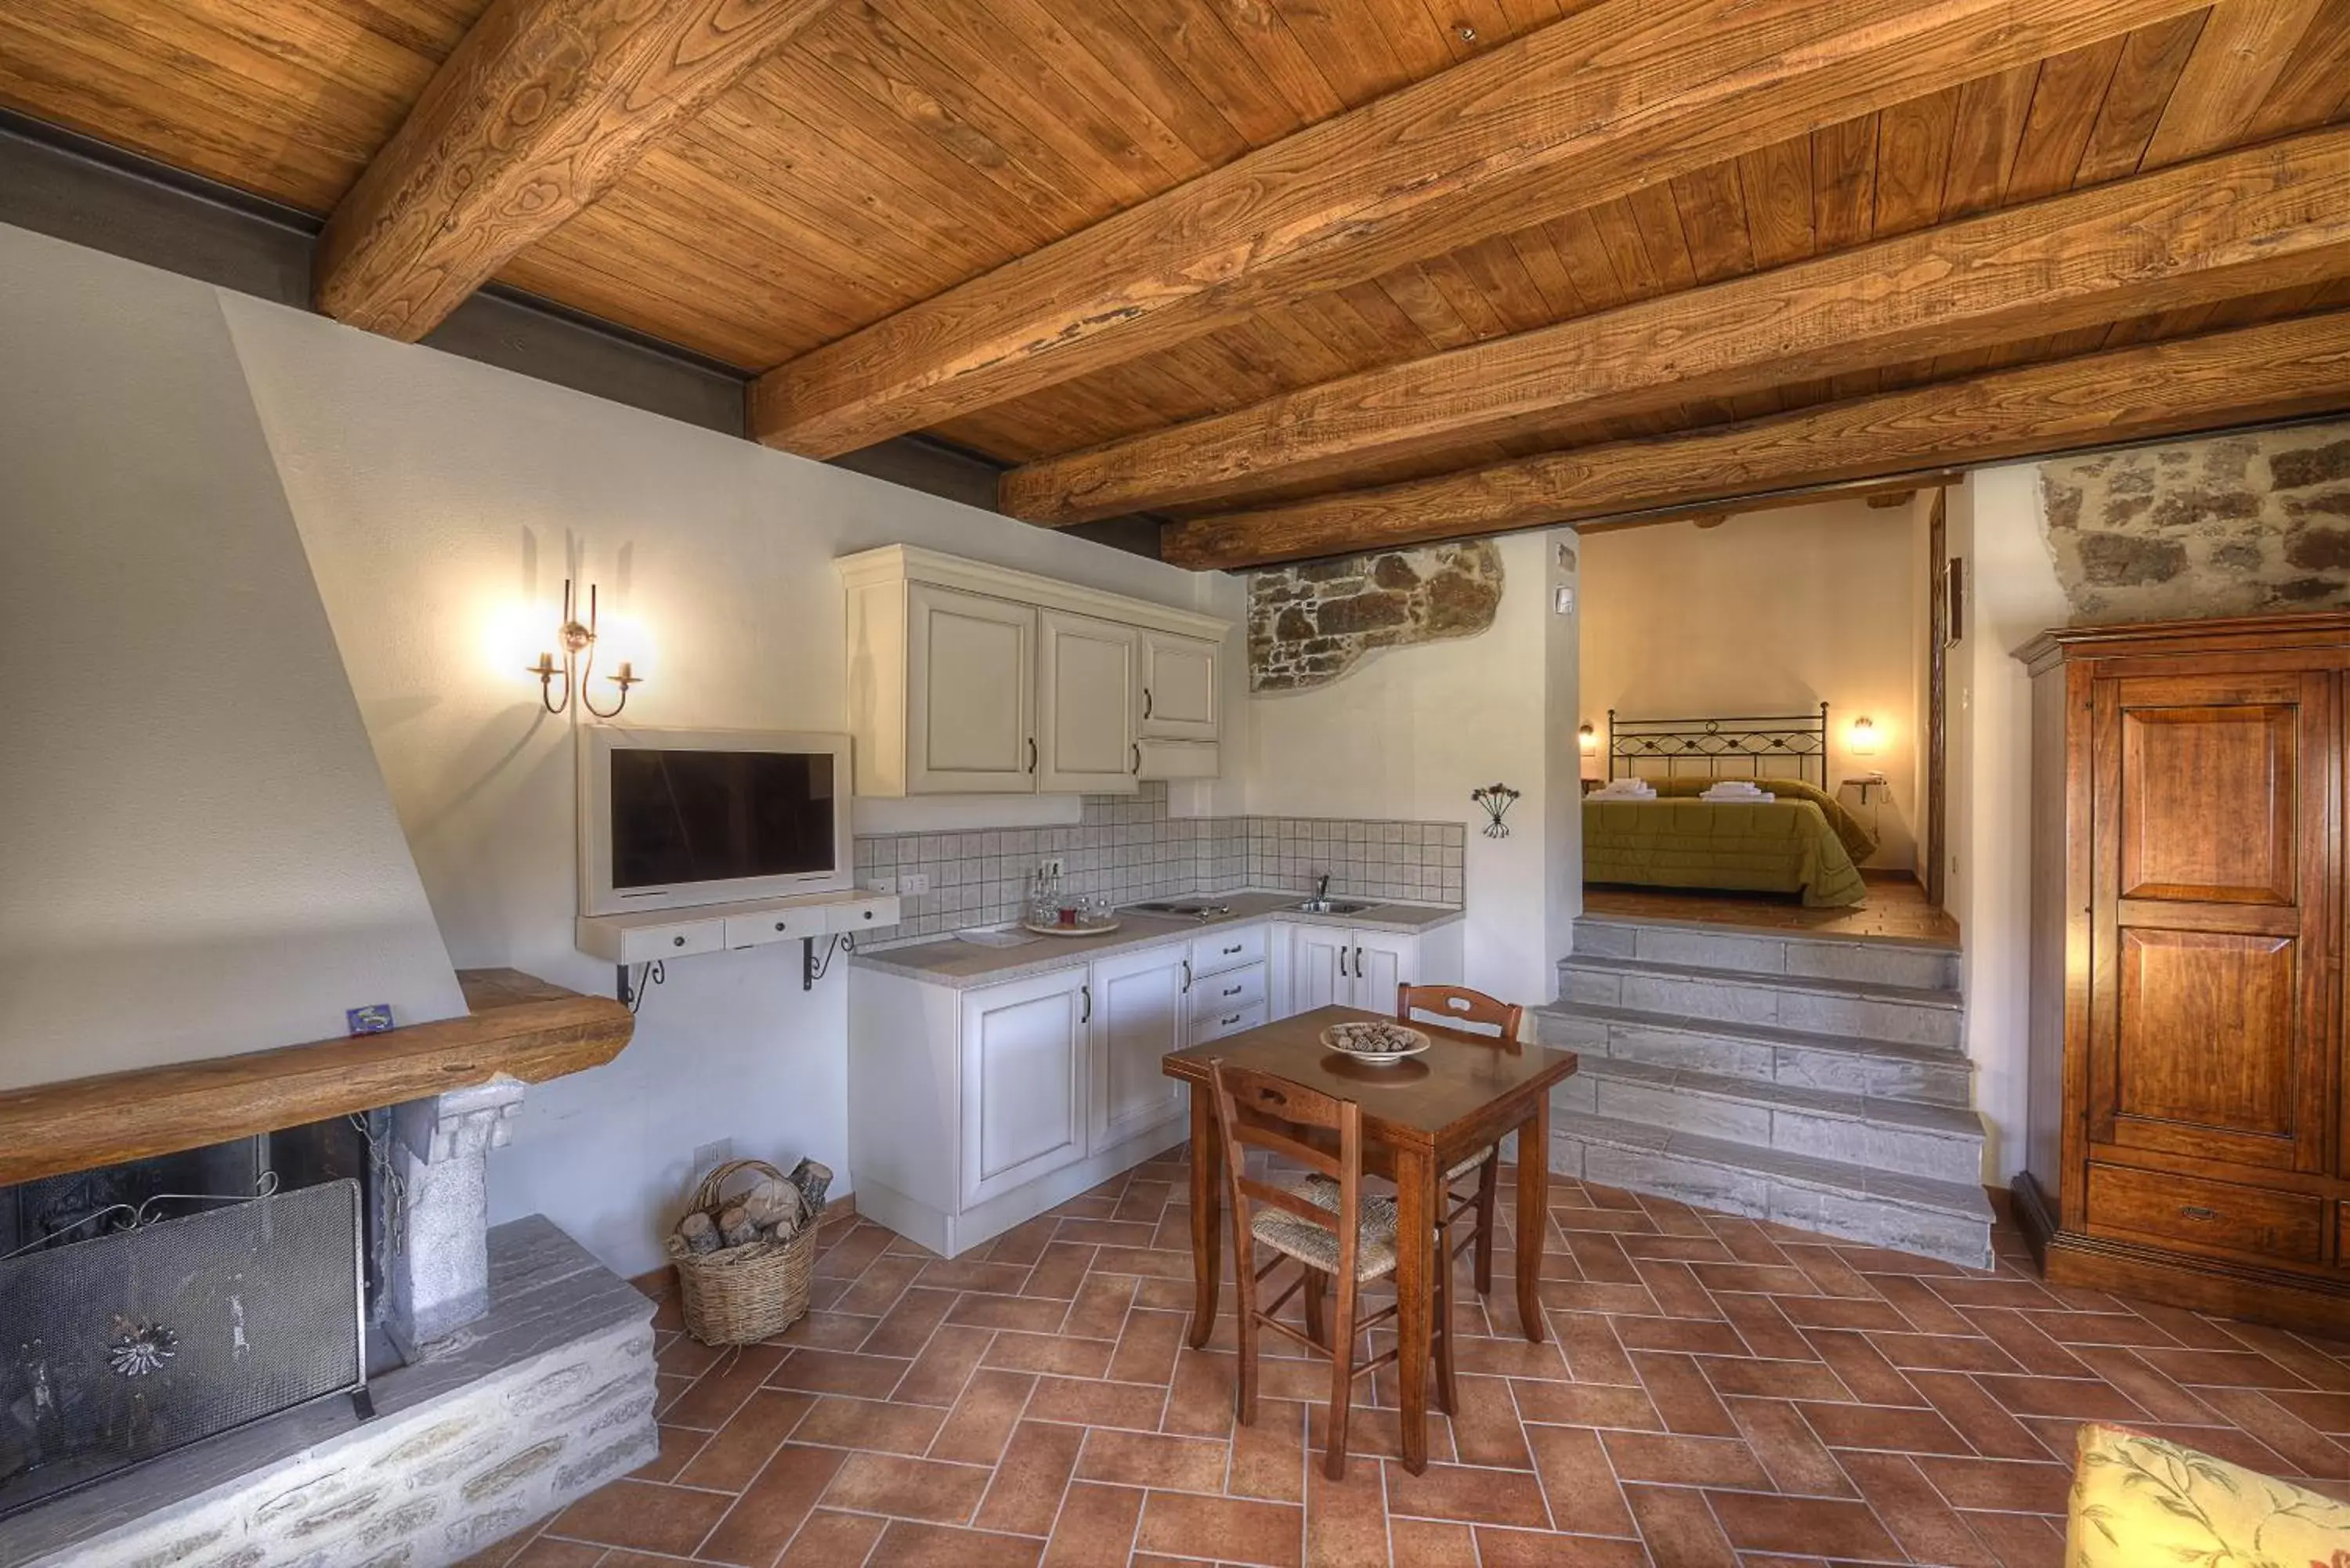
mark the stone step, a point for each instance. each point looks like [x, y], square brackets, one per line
[1945, 1219]
[1942, 1141]
[1893, 1069]
[1879, 961]
[1916, 1015]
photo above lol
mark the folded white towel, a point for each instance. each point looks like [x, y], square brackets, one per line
[1740, 798]
[1627, 789]
[1728, 787]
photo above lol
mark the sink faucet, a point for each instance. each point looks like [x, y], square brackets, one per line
[1322, 889]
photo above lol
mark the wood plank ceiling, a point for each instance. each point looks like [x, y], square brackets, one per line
[890, 151]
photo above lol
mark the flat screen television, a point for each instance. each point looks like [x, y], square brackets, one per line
[672, 818]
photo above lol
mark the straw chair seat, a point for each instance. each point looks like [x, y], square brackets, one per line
[1468, 1167]
[1316, 1246]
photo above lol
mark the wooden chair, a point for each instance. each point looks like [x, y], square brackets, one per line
[1323, 1222]
[1458, 1006]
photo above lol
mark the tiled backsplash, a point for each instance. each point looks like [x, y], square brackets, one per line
[1127, 847]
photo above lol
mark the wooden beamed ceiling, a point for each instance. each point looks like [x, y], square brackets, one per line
[1285, 270]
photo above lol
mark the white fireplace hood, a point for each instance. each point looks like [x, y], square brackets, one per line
[197, 854]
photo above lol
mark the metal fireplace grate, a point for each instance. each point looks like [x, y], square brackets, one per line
[122, 1347]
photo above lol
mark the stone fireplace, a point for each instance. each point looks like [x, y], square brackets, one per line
[197, 1395]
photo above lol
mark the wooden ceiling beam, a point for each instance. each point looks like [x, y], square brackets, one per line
[1623, 96]
[542, 107]
[2272, 217]
[2276, 371]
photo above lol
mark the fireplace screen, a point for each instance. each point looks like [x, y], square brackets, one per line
[119, 1348]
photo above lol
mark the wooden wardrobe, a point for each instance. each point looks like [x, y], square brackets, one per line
[2186, 1067]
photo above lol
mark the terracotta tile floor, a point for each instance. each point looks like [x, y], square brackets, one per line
[1716, 1391]
[1896, 907]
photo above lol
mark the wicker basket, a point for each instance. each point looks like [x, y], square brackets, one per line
[743, 1294]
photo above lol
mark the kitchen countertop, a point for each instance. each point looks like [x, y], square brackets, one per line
[951, 963]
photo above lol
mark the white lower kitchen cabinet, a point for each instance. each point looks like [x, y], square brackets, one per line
[1348, 966]
[971, 1110]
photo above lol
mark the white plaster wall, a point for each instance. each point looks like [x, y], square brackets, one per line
[197, 853]
[1997, 531]
[435, 495]
[1408, 732]
[1770, 612]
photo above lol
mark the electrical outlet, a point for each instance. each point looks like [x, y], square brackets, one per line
[914, 882]
[1050, 866]
[711, 1155]
[885, 883]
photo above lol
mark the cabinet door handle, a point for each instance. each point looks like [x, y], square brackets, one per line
[1187, 977]
[2193, 1212]
[1031, 753]
[1359, 963]
[1086, 992]
[1136, 747]
[1146, 701]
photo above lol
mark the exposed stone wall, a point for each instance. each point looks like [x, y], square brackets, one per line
[1308, 624]
[2240, 524]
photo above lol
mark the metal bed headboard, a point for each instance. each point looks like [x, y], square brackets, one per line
[1714, 748]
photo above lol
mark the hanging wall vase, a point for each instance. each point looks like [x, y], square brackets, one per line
[1497, 799]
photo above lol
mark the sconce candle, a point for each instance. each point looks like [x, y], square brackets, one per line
[578, 641]
[1864, 737]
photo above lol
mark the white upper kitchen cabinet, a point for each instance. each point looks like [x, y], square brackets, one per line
[1139, 1011]
[1088, 705]
[967, 678]
[1179, 686]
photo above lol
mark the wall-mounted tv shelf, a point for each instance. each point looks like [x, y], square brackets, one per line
[657, 935]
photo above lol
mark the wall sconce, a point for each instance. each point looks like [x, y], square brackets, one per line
[1864, 737]
[578, 666]
[1587, 739]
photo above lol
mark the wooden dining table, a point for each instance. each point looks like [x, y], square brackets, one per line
[1421, 1116]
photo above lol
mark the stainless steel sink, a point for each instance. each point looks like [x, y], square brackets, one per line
[1330, 907]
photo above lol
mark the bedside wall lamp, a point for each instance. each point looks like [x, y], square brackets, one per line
[1587, 739]
[578, 666]
[1864, 737]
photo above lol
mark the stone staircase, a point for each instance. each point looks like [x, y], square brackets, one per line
[1818, 1081]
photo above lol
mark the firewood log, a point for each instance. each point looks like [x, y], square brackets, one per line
[734, 1227]
[812, 1178]
[699, 1233]
[774, 1205]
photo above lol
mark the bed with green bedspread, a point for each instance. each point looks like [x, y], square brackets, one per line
[1788, 845]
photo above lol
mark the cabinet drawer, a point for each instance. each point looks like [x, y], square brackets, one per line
[1229, 991]
[1234, 947]
[643, 944]
[2342, 1234]
[776, 926]
[863, 915]
[2181, 1212]
[1207, 1026]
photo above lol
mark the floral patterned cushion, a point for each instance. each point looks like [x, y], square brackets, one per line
[2140, 1500]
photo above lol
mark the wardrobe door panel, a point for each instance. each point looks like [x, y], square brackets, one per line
[2209, 1026]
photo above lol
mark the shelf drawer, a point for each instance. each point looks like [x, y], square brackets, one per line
[862, 914]
[774, 926]
[2164, 1209]
[1207, 1026]
[643, 944]
[1229, 991]
[1231, 947]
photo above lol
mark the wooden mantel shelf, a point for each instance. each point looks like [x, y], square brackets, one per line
[519, 1025]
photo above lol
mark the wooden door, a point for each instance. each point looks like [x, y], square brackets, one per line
[1381, 960]
[1023, 1105]
[971, 684]
[1141, 1008]
[1087, 706]
[1319, 969]
[1178, 688]
[2210, 1023]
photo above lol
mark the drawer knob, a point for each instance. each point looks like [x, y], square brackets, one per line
[677, 942]
[2192, 1212]
[868, 914]
[780, 925]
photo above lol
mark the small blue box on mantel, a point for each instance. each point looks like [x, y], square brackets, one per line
[372, 1019]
